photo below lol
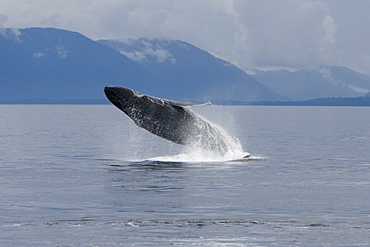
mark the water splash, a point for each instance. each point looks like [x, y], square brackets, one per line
[201, 151]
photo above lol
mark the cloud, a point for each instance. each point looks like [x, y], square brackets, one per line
[328, 75]
[3, 19]
[11, 33]
[249, 33]
[61, 51]
[359, 89]
[38, 55]
[291, 33]
[147, 52]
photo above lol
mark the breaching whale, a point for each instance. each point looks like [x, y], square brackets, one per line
[168, 119]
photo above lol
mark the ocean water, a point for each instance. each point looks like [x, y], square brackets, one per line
[86, 175]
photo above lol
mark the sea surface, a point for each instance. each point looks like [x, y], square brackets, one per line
[86, 175]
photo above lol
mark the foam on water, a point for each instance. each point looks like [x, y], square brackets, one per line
[196, 153]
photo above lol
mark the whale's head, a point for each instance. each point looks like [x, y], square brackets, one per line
[124, 99]
[139, 107]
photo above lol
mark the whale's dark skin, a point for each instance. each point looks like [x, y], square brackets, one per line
[167, 119]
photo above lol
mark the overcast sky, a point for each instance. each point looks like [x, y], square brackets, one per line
[249, 33]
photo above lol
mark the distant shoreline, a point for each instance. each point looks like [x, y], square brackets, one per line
[55, 102]
[341, 101]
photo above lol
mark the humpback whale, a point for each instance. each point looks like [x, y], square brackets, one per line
[168, 119]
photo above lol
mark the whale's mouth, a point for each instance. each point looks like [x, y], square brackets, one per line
[119, 96]
[111, 94]
[117, 93]
[121, 92]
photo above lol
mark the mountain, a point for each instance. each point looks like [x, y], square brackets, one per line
[48, 64]
[190, 73]
[329, 81]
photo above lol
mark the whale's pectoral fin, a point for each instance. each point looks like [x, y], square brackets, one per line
[185, 104]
